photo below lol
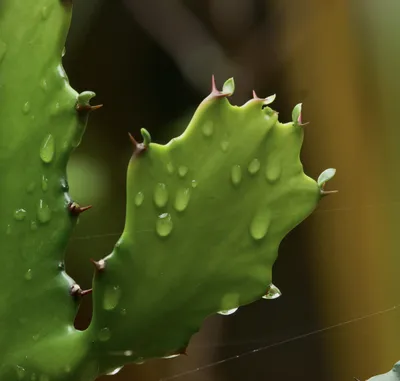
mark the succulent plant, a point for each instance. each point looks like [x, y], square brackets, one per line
[205, 215]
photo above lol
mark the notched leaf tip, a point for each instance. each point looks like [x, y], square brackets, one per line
[83, 102]
[265, 101]
[325, 176]
[227, 89]
[146, 137]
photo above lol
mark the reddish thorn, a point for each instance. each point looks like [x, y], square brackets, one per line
[213, 85]
[255, 96]
[84, 208]
[96, 107]
[99, 265]
[133, 140]
[327, 193]
[87, 108]
[86, 292]
[299, 119]
[75, 209]
[138, 147]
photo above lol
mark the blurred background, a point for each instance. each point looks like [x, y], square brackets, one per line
[150, 63]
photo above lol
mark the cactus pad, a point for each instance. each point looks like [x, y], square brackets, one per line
[205, 216]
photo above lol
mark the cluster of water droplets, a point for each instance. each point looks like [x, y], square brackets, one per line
[161, 196]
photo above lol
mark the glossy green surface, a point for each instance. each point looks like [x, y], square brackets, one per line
[205, 215]
[39, 127]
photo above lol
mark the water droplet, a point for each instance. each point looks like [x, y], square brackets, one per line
[26, 108]
[8, 230]
[208, 128]
[111, 297]
[228, 312]
[139, 360]
[272, 293]
[64, 185]
[43, 85]
[123, 311]
[128, 353]
[273, 172]
[104, 334]
[161, 195]
[28, 274]
[34, 225]
[20, 372]
[43, 212]
[182, 171]
[35, 337]
[194, 184]
[20, 214]
[171, 356]
[182, 199]
[115, 371]
[224, 145]
[139, 198]
[45, 183]
[47, 149]
[254, 166]
[62, 73]
[259, 226]
[31, 187]
[164, 225]
[3, 50]
[46, 12]
[236, 174]
[170, 168]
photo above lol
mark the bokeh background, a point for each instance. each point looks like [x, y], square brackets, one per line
[150, 63]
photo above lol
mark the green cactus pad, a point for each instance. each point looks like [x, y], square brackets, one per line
[39, 128]
[205, 216]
